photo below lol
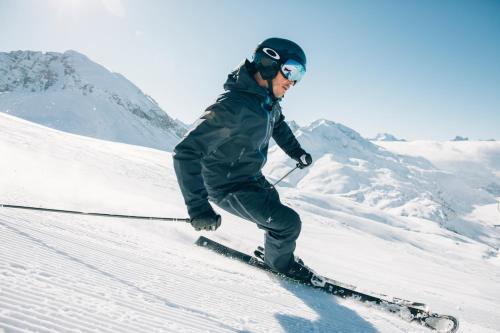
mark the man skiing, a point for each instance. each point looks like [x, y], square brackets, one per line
[221, 158]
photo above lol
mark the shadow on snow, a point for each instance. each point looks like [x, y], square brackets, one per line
[332, 316]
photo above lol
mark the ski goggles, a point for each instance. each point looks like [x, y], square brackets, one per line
[293, 70]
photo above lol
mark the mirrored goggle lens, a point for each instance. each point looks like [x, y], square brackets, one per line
[293, 70]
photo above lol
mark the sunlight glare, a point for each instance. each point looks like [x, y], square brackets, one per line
[69, 8]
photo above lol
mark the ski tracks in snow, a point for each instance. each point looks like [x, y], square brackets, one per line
[61, 274]
[50, 286]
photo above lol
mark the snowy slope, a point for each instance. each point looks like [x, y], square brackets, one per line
[347, 165]
[62, 273]
[476, 162]
[70, 92]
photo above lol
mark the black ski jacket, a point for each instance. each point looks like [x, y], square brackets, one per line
[227, 147]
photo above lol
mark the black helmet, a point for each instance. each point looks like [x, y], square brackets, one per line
[272, 53]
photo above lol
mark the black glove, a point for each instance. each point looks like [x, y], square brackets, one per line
[304, 160]
[206, 221]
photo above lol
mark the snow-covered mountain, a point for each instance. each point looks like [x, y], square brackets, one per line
[350, 166]
[293, 125]
[63, 273]
[385, 137]
[476, 162]
[69, 92]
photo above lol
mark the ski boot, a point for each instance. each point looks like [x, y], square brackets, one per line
[297, 271]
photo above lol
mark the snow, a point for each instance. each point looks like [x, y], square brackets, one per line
[69, 92]
[62, 273]
[477, 162]
[386, 137]
[395, 181]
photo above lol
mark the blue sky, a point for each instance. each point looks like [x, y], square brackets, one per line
[417, 69]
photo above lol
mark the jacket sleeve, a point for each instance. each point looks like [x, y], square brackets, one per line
[284, 137]
[212, 129]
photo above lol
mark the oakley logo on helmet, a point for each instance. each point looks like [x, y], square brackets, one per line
[270, 52]
[277, 54]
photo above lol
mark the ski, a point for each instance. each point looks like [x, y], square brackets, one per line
[407, 310]
[259, 253]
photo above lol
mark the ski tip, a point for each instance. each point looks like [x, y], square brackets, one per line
[202, 241]
[442, 324]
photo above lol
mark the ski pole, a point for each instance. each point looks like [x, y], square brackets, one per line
[174, 219]
[289, 172]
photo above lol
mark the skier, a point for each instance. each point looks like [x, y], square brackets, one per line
[221, 158]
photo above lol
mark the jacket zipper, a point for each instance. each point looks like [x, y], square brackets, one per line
[268, 130]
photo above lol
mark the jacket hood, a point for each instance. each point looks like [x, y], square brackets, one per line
[241, 79]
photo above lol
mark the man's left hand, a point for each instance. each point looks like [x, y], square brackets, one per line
[304, 161]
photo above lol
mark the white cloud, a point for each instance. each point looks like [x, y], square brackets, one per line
[115, 7]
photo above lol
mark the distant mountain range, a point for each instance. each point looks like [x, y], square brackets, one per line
[349, 166]
[69, 92]
[386, 137]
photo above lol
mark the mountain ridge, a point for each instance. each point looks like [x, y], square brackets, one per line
[68, 91]
[348, 165]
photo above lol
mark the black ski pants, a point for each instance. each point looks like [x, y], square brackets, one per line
[259, 202]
